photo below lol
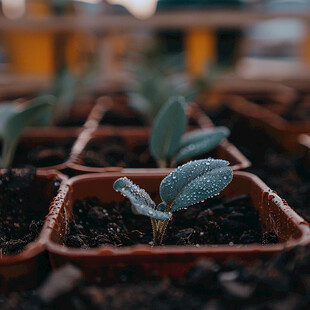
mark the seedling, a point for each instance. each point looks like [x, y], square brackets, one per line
[187, 185]
[155, 80]
[159, 76]
[12, 123]
[168, 143]
[61, 96]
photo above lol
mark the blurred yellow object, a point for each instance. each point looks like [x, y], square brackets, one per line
[32, 52]
[37, 53]
[200, 47]
[305, 48]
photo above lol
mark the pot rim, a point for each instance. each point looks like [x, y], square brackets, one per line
[51, 134]
[146, 250]
[141, 132]
[38, 245]
[250, 109]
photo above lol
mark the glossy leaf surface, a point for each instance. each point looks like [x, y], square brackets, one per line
[169, 126]
[200, 141]
[194, 182]
[139, 198]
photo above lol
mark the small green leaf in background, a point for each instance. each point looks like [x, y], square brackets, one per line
[200, 141]
[169, 126]
[65, 88]
[139, 198]
[156, 77]
[44, 117]
[6, 111]
[12, 126]
[194, 182]
[21, 119]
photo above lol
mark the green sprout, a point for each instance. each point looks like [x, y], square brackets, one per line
[159, 75]
[170, 146]
[62, 96]
[187, 185]
[155, 79]
[12, 122]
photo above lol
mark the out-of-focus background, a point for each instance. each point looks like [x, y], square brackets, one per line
[238, 44]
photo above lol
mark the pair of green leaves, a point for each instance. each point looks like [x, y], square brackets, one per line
[168, 139]
[187, 185]
[12, 123]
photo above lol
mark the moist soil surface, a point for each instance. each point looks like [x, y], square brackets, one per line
[130, 118]
[282, 282]
[216, 221]
[44, 155]
[125, 115]
[20, 224]
[72, 122]
[115, 152]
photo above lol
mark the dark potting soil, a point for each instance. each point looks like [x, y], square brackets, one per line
[44, 155]
[216, 221]
[20, 220]
[116, 152]
[72, 122]
[286, 173]
[131, 118]
[122, 113]
[281, 282]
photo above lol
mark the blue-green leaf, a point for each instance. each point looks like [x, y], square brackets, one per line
[139, 198]
[169, 126]
[13, 127]
[6, 111]
[200, 141]
[21, 119]
[194, 182]
[44, 117]
[162, 207]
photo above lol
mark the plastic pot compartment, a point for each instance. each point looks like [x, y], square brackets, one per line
[282, 131]
[41, 141]
[24, 270]
[54, 142]
[106, 261]
[140, 136]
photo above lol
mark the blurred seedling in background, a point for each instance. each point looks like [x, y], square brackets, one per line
[155, 78]
[187, 185]
[65, 90]
[13, 120]
[170, 146]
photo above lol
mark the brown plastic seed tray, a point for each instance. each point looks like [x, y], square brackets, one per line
[282, 131]
[134, 136]
[98, 263]
[22, 271]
